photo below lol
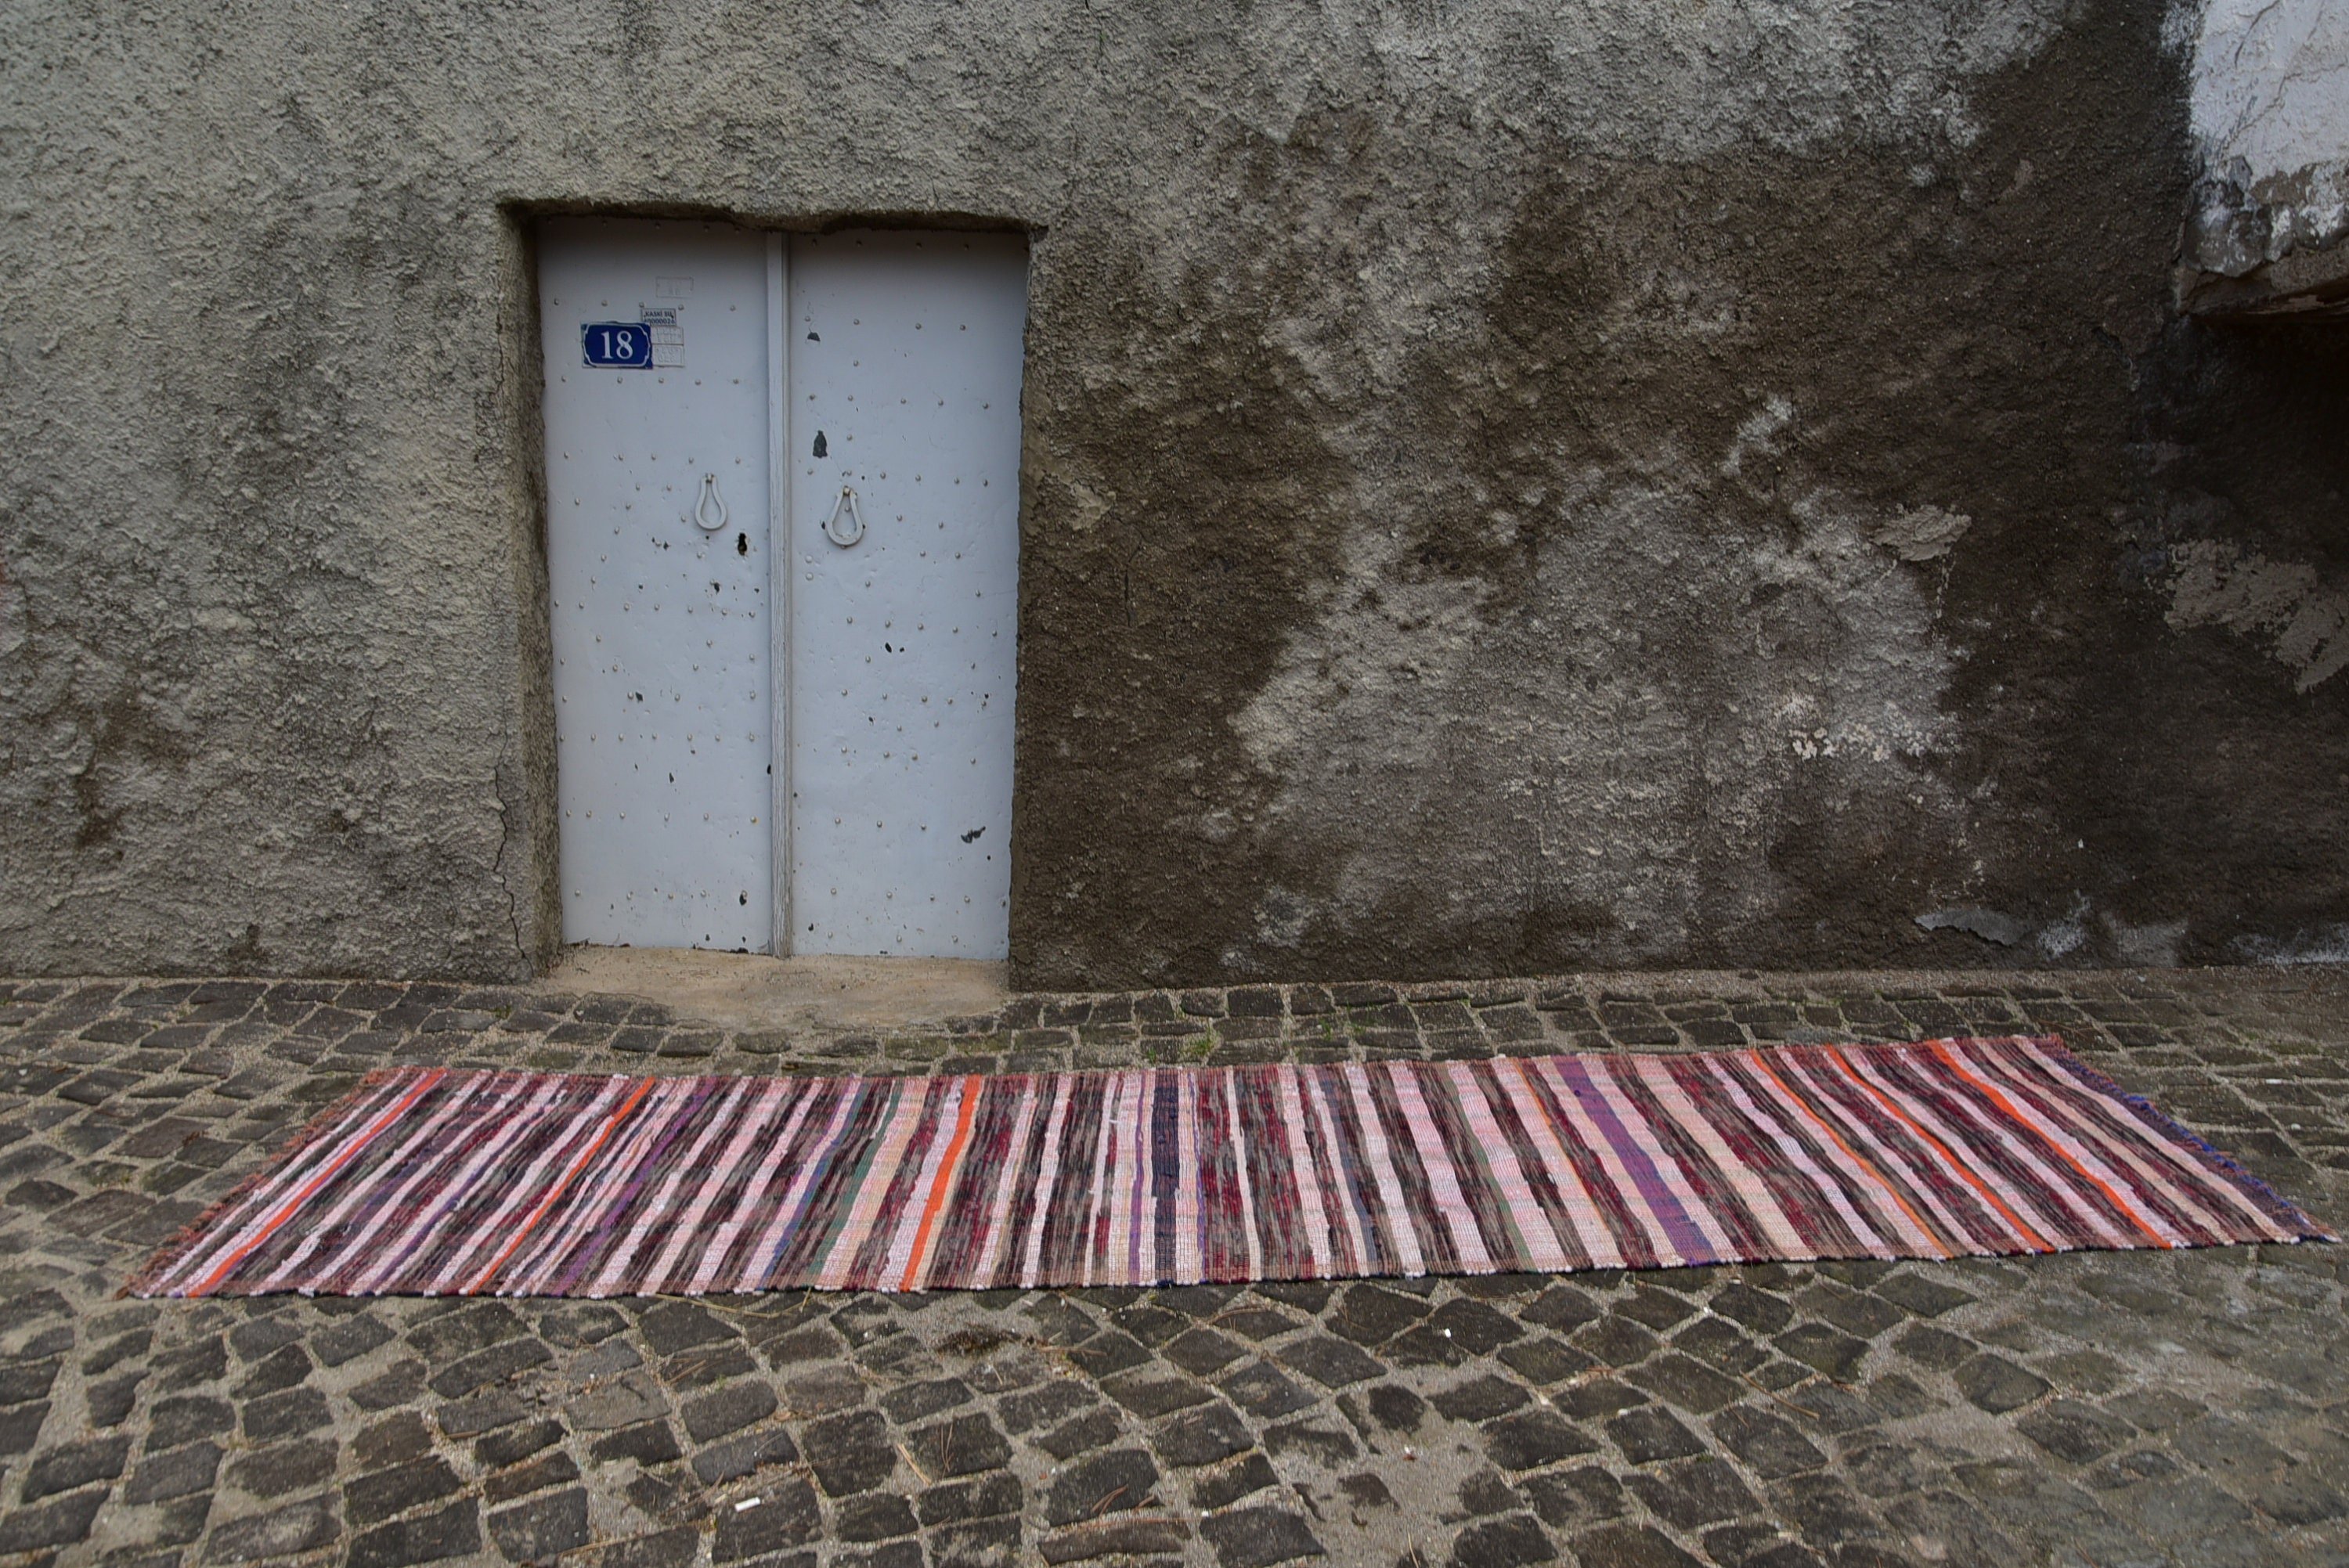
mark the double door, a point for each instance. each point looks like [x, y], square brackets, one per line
[782, 552]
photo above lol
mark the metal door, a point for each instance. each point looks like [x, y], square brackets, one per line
[657, 432]
[904, 353]
[842, 712]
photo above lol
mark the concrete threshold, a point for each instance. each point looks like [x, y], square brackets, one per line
[756, 991]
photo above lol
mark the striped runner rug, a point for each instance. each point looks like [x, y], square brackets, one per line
[433, 1181]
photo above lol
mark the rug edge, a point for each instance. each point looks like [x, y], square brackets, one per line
[182, 1241]
[2223, 1163]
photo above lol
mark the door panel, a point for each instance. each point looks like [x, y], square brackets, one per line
[663, 700]
[905, 352]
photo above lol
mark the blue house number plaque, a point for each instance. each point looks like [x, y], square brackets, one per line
[617, 344]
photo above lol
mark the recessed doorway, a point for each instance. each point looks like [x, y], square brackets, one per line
[782, 550]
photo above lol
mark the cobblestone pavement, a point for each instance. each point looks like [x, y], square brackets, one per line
[2087, 1409]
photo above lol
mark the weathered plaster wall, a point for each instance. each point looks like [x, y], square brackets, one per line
[2270, 118]
[1509, 488]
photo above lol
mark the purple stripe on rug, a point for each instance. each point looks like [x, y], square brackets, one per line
[438, 1182]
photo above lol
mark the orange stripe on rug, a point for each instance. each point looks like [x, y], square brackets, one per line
[285, 1212]
[944, 1183]
[603, 1135]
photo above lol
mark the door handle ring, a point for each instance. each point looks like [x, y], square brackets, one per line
[699, 516]
[848, 533]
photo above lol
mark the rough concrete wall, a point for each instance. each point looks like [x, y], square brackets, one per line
[2270, 117]
[1507, 488]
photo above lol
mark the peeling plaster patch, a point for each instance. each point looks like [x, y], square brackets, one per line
[2324, 945]
[2061, 938]
[1758, 436]
[1987, 924]
[1280, 919]
[1922, 533]
[2271, 84]
[1560, 755]
[2303, 618]
[2271, 112]
[2154, 945]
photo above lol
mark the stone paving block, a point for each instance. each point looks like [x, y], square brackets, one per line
[1264, 1392]
[1046, 1405]
[622, 1401]
[1997, 1385]
[850, 1453]
[1103, 1483]
[286, 1367]
[958, 1445]
[1081, 1434]
[736, 1405]
[511, 1445]
[1574, 1496]
[77, 1464]
[19, 1426]
[874, 1516]
[2074, 1431]
[915, 1400]
[1396, 1408]
[389, 1492]
[646, 1443]
[540, 1530]
[1202, 1436]
[184, 1419]
[546, 1470]
[1691, 1493]
[1147, 1395]
[179, 1473]
[823, 1389]
[297, 1528]
[496, 1364]
[1109, 1353]
[1687, 1383]
[1122, 1537]
[1202, 1351]
[482, 1412]
[1333, 1363]
[1533, 1439]
[1478, 1399]
[402, 1436]
[1228, 1483]
[451, 1531]
[1766, 1443]
[1828, 1350]
[1256, 1537]
[785, 1514]
[744, 1455]
[1371, 1315]
[1509, 1543]
[1323, 1442]
[986, 1498]
[286, 1467]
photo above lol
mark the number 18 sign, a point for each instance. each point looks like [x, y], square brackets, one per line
[617, 344]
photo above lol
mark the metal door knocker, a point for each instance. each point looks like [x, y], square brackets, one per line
[845, 533]
[701, 517]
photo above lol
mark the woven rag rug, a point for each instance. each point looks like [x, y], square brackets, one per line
[434, 1182]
